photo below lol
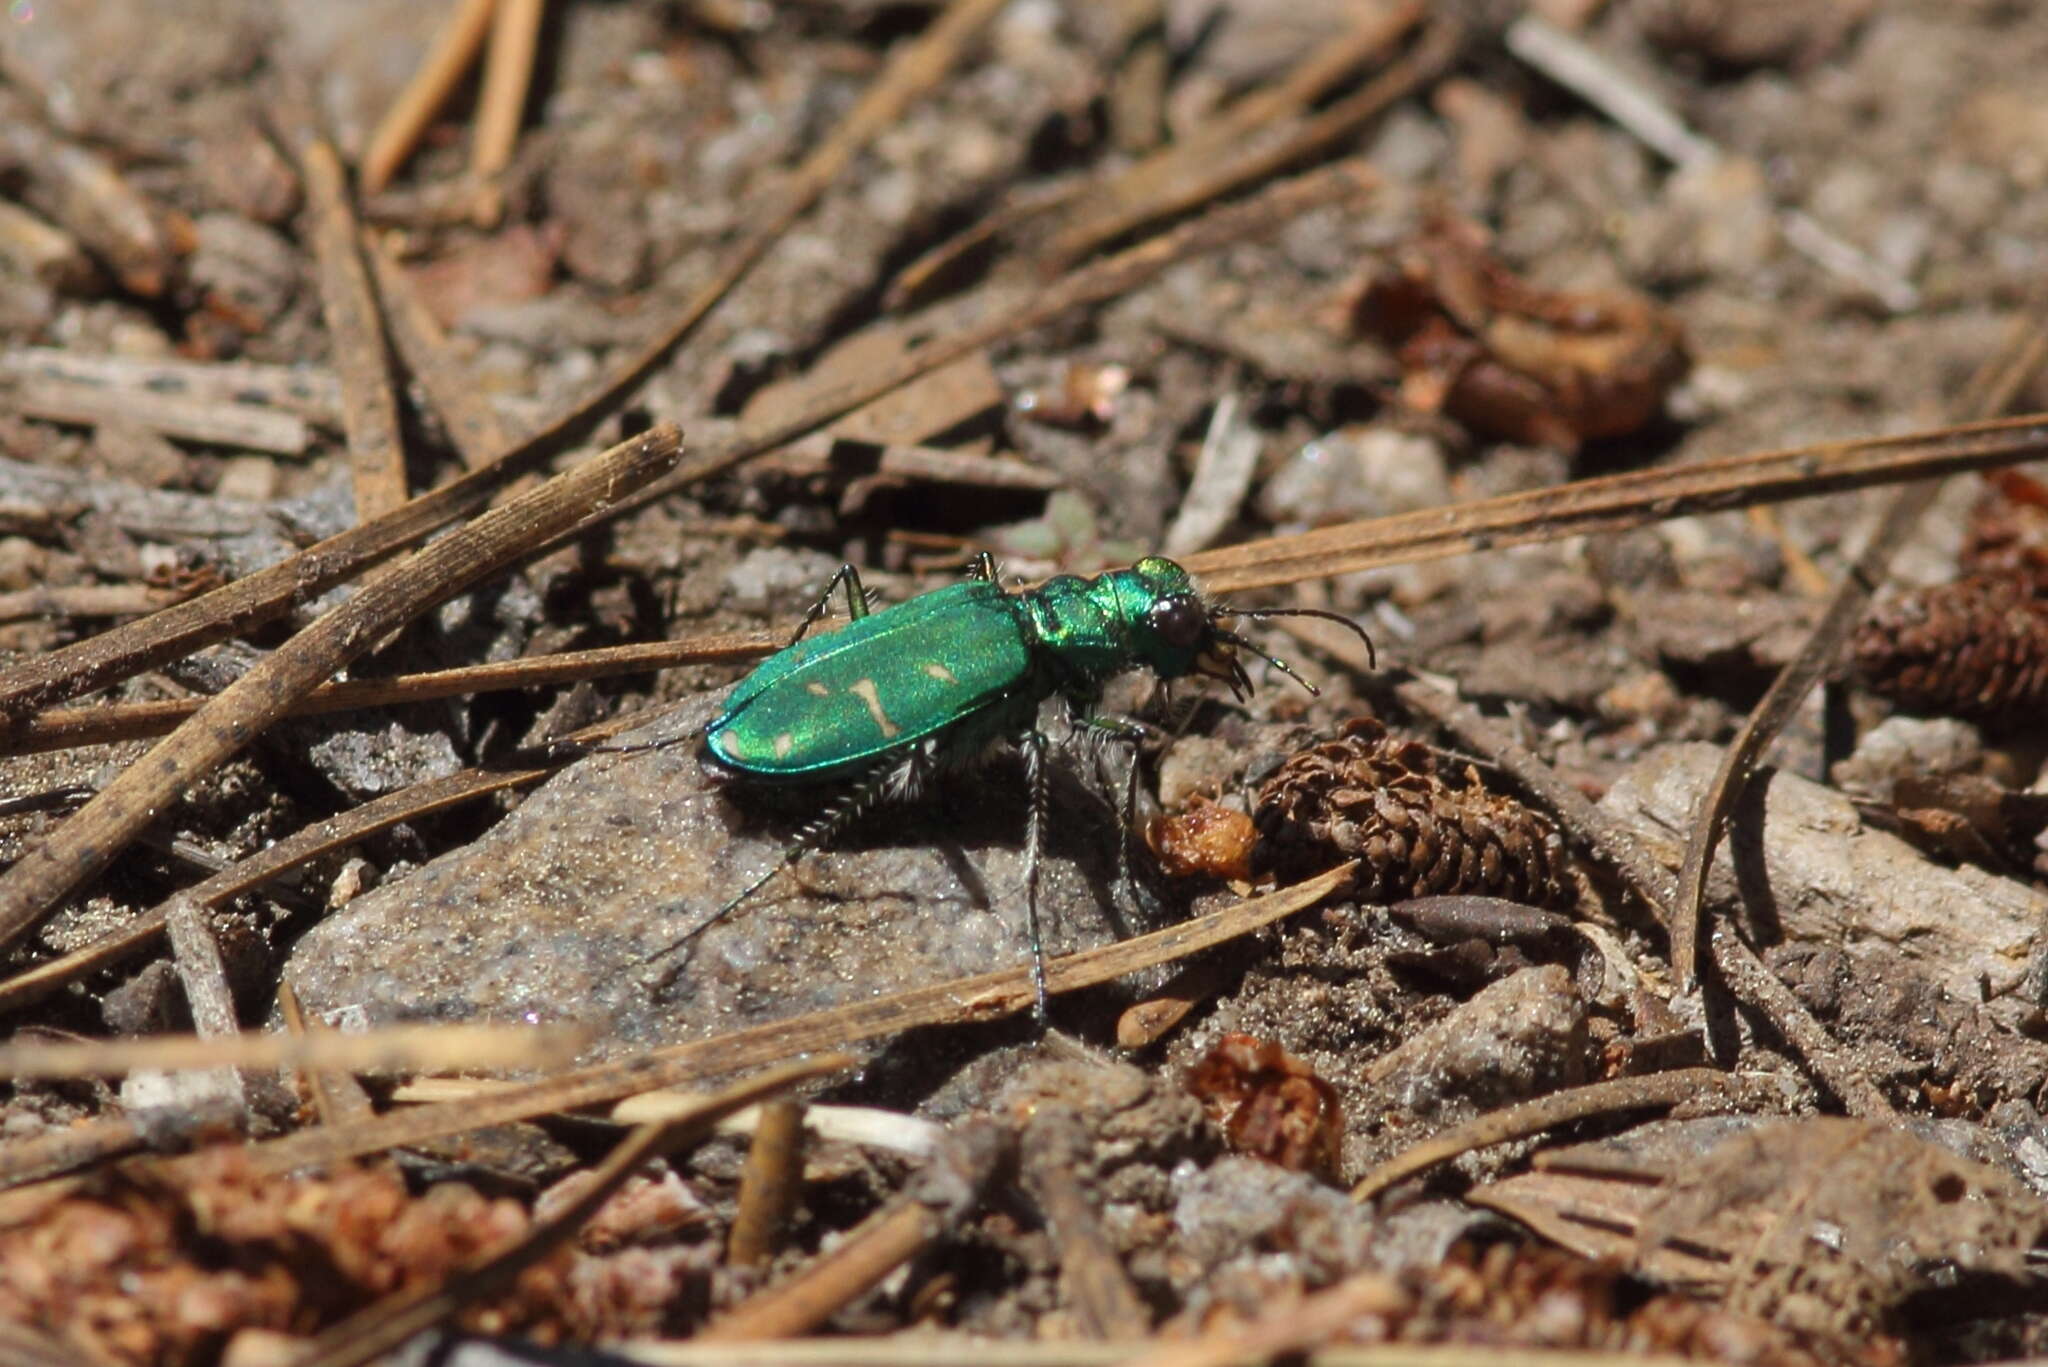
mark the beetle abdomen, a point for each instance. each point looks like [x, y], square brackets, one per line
[838, 703]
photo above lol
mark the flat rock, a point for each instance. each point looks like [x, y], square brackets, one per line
[1809, 871]
[554, 913]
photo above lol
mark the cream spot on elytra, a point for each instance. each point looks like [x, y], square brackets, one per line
[940, 672]
[818, 690]
[784, 743]
[866, 691]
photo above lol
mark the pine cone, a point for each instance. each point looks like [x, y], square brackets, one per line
[1974, 648]
[1368, 796]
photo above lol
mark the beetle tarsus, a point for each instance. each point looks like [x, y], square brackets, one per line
[1036, 776]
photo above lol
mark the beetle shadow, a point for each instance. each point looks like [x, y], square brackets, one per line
[981, 807]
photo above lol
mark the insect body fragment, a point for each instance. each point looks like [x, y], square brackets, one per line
[901, 692]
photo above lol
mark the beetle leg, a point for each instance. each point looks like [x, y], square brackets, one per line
[819, 831]
[1130, 735]
[982, 567]
[1036, 774]
[856, 600]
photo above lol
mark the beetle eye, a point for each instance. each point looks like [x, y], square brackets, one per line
[1179, 620]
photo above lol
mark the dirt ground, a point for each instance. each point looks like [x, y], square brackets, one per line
[1319, 298]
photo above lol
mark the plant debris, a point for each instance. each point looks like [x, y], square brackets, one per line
[1207, 839]
[1483, 346]
[1269, 1104]
[1369, 796]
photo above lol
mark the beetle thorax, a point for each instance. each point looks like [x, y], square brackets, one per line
[1148, 617]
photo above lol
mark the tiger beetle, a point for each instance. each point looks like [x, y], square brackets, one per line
[899, 694]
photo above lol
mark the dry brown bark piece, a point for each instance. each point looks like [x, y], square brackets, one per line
[1481, 344]
[141, 1269]
[1269, 1103]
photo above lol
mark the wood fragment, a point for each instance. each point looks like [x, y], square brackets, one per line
[355, 334]
[988, 996]
[71, 1147]
[508, 74]
[919, 465]
[1542, 1113]
[398, 132]
[380, 1327]
[394, 1049]
[246, 426]
[1147, 1022]
[1051, 1155]
[472, 424]
[923, 408]
[204, 975]
[45, 494]
[107, 723]
[44, 252]
[770, 1183]
[1223, 476]
[944, 1194]
[1137, 88]
[337, 1096]
[308, 390]
[89, 840]
[1579, 68]
[65, 601]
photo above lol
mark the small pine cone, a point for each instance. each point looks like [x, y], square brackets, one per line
[1370, 797]
[1974, 648]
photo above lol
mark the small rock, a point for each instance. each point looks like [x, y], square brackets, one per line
[1519, 1037]
[1197, 764]
[780, 581]
[1908, 747]
[1357, 472]
[249, 273]
[1832, 881]
[252, 479]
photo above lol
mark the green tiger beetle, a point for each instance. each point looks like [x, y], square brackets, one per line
[899, 694]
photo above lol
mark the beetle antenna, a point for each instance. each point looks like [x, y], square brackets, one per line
[1254, 614]
[1274, 660]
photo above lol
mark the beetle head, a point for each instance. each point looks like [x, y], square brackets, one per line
[1195, 636]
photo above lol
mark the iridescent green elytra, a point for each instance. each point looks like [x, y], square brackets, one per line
[967, 659]
[895, 694]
